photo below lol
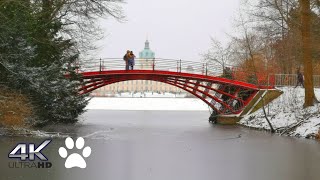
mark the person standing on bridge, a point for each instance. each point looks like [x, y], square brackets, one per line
[126, 59]
[131, 60]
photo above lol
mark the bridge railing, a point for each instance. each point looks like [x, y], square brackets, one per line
[108, 64]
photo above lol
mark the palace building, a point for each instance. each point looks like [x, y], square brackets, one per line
[145, 60]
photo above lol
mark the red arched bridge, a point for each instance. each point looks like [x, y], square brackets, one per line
[203, 80]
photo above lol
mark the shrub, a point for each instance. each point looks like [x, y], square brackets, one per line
[15, 108]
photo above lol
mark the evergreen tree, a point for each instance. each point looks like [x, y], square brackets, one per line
[36, 55]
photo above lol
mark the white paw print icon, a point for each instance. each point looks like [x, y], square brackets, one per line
[75, 159]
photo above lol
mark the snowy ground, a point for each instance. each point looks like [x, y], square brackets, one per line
[150, 94]
[174, 104]
[146, 94]
[287, 114]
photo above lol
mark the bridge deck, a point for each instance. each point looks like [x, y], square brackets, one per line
[148, 73]
[224, 96]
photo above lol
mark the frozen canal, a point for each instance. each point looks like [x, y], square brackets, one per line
[157, 145]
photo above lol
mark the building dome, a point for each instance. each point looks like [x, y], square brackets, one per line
[147, 53]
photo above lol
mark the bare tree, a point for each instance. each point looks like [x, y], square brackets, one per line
[252, 46]
[291, 28]
[276, 21]
[218, 54]
[79, 18]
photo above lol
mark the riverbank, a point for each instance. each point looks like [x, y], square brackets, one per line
[287, 115]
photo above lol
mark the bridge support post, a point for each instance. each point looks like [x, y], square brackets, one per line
[255, 104]
[227, 120]
[206, 69]
[223, 120]
[177, 66]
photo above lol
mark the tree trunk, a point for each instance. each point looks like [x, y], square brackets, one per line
[306, 52]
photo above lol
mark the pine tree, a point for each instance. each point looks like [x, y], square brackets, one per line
[34, 60]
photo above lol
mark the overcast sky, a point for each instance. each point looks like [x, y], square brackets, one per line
[176, 29]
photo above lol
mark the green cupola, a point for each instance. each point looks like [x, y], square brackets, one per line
[147, 53]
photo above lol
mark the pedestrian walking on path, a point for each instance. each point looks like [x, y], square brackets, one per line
[300, 80]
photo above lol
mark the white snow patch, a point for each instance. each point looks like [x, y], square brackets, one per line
[144, 94]
[287, 110]
[173, 104]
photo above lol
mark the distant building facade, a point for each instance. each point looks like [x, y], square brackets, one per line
[146, 57]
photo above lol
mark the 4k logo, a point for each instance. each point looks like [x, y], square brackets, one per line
[29, 153]
[21, 151]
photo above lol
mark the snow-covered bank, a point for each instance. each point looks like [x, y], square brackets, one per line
[174, 104]
[287, 114]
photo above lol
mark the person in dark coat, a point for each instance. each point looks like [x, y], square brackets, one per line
[126, 59]
[131, 60]
[300, 80]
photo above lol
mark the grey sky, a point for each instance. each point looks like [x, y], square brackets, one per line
[177, 29]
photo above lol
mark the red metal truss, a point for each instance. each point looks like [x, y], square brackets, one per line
[224, 96]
